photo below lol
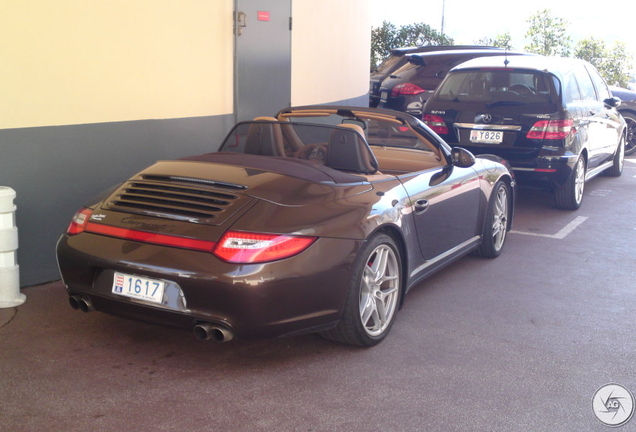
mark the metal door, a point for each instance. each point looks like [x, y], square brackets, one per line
[262, 33]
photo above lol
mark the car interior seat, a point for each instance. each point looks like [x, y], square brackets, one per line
[265, 138]
[348, 150]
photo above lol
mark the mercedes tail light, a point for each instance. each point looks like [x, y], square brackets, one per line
[249, 248]
[406, 89]
[551, 129]
[436, 123]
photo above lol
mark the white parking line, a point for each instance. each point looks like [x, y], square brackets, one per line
[562, 233]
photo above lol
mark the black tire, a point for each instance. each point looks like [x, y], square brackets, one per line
[374, 294]
[630, 136]
[570, 195]
[619, 160]
[496, 222]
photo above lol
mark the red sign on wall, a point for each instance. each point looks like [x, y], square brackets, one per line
[262, 16]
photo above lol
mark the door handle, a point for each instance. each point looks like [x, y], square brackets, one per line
[420, 206]
[241, 22]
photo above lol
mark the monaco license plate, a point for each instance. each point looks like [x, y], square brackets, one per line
[139, 288]
[486, 136]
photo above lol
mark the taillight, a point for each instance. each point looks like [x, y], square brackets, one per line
[247, 248]
[551, 129]
[79, 221]
[436, 123]
[406, 89]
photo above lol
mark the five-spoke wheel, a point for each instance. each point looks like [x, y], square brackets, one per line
[496, 225]
[374, 295]
[570, 195]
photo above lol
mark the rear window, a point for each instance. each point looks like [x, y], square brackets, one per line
[496, 85]
[389, 64]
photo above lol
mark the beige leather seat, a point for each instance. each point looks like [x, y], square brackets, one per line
[348, 150]
[265, 138]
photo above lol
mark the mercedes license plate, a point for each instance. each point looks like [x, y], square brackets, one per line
[138, 287]
[486, 136]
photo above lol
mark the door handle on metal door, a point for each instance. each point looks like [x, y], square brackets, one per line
[421, 206]
[241, 22]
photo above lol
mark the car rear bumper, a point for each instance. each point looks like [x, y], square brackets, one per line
[546, 170]
[548, 166]
[298, 295]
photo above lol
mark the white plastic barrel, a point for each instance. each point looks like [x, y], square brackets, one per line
[10, 295]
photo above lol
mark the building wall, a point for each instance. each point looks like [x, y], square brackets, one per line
[331, 44]
[114, 60]
[93, 92]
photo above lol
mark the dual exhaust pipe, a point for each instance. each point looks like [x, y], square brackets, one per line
[202, 331]
[83, 303]
[212, 332]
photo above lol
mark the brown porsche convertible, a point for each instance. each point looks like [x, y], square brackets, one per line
[318, 220]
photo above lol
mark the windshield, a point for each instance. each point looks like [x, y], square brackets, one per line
[496, 87]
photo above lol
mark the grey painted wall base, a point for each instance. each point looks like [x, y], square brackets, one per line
[54, 170]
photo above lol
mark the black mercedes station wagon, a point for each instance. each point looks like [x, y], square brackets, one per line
[553, 119]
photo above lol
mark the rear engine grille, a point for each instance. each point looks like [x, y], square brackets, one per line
[183, 199]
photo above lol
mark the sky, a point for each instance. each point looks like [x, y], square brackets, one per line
[467, 21]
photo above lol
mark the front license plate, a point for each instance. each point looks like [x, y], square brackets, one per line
[486, 136]
[138, 287]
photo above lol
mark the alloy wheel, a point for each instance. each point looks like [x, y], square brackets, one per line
[379, 290]
[500, 218]
[579, 180]
[630, 142]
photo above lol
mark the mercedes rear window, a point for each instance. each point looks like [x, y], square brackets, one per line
[496, 85]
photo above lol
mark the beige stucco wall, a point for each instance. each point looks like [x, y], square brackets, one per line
[67, 62]
[331, 44]
[73, 62]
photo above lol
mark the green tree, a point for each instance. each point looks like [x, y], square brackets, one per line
[617, 66]
[591, 50]
[548, 35]
[383, 39]
[418, 34]
[613, 64]
[501, 41]
[388, 36]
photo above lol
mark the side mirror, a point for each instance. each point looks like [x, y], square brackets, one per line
[462, 158]
[614, 102]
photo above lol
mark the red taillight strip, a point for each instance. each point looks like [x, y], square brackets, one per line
[249, 248]
[406, 89]
[148, 237]
[436, 123]
[552, 129]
